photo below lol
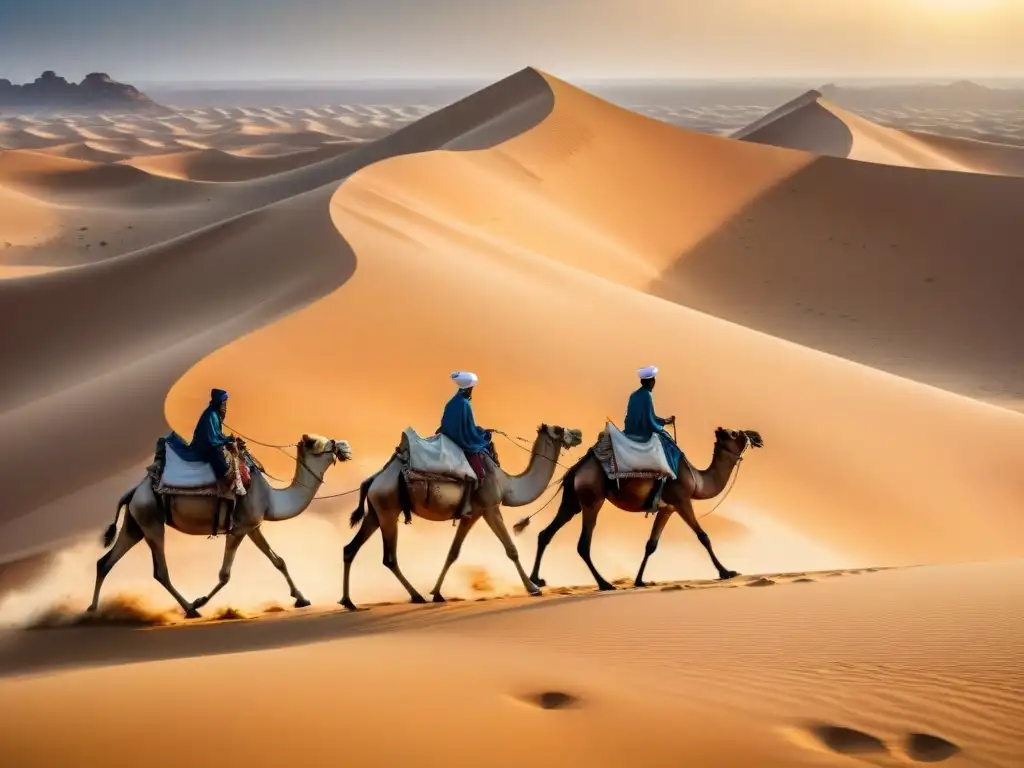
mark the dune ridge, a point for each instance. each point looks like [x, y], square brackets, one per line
[812, 123]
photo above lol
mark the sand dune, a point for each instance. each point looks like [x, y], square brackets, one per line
[216, 165]
[813, 124]
[533, 233]
[511, 253]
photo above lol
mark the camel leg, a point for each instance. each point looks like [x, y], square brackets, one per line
[264, 546]
[497, 524]
[366, 530]
[155, 540]
[231, 544]
[652, 543]
[465, 523]
[130, 535]
[389, 532]
[586, 535]
[685, 509]
[567, 510]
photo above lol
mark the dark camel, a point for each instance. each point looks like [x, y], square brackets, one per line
[586, 486]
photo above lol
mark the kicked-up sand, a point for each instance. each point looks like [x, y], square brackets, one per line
[552, 243]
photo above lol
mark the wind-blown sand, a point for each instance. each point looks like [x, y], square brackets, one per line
[533, 233]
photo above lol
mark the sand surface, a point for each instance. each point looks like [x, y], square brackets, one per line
[855, 313]
[902, 667]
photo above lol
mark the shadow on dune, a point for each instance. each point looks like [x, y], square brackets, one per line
[914, 272]
[105, 342]
[802, 124]
[24, 652]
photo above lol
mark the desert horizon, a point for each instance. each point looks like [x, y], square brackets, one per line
[823, 271]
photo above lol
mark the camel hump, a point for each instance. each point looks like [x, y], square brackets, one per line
[435, 455]
[623, 457]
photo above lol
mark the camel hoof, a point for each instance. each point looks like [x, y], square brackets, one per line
[641, 584]
[539, 582]
[728, 575]
[348, 604]
[91, 609]
[438, 598]
[301, 602]
[607, 587]
[535, 593]
[199, 602]
[417, 599]
[192, 613]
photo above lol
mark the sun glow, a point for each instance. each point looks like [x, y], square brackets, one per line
[962, 6]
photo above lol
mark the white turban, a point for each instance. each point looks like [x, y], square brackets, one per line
[649, 372]
[464, 379]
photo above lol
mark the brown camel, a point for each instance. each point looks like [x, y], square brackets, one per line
[147, 513]
[586, 486]
[389, 495]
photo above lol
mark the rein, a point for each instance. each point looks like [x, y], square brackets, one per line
[305, 466]
[512, 439]
[735, 477]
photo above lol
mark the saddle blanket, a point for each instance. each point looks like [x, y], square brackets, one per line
[198, 476]
[435, 455]
[623, 457]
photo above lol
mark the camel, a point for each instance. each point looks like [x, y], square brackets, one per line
[586, 486]
[389, 495]
[147, 512]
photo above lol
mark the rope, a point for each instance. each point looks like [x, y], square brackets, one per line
[732, 484]
[254, 441]
[513, 438]
[281, 448]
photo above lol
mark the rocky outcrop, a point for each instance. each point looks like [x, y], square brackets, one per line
[51, 91]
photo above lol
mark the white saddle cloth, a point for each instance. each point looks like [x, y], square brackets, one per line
[436, 455]
[179, 473]
[635, 456]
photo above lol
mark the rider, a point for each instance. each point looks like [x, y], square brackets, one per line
[459, 426]
[642, 422]
[209, 444]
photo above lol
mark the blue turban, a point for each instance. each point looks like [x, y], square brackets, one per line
[218, 396]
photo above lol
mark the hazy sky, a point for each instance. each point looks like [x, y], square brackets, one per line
[143, 40]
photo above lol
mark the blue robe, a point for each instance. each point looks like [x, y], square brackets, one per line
[459, 426]
[642, 422]
[208, 441]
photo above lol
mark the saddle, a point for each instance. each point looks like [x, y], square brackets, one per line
[623, 457]
[433, 458]
[173, 475]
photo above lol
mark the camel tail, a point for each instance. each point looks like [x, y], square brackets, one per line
[360, 512]
[111, 532]
[404, 498]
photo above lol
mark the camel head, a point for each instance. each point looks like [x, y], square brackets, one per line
[564, 437]
[737, 441]
[314, 448]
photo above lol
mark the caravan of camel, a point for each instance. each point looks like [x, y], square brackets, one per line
[428, 478]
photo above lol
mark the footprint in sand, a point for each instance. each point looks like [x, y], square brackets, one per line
[925, 748]
[847, 741]
[804, 580]
[672, 588]
[552, 700]
[762, 582]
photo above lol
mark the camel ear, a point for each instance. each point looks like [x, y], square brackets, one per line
[307, 440]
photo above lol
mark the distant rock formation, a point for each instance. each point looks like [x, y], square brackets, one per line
[50, 91]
